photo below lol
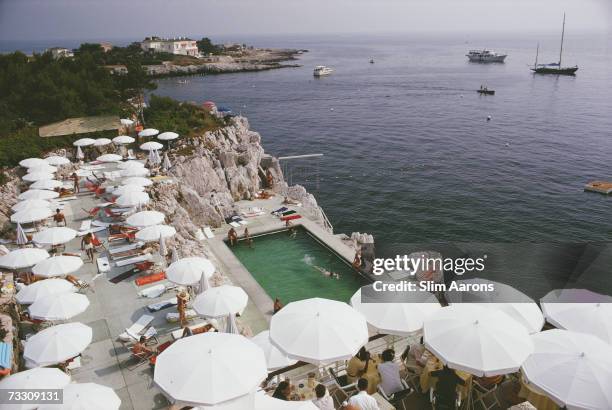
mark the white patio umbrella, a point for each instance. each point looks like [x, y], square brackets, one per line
[318, 331]
[32, 162]
[38, 378]
[137, 181]
[84, 142]
[58, 307]
[482, 342]
[57, 266]
[145, 218]
[265, 402]
[31, 215]
[230, 325]
[124, 189]
[37, 176]
[133, 198]
[163, 251]
[210, 368]
[123, 140]
[86, 396]
[109, 158]
[135, 172]
[151, 145]
[148, 132]
[54, 236]
[23, 258]
[243, 402]
[275, 359]
[29, 294]
[167, 136]
[515, 303]
[574, 369]
[188, 271]
[131, 164]
[79, 153]
[57, 160]
[49, 184]
[579, 310]
[153, 232]
[220, 301]
[57, 343]
[22, 238]
[153, 157]
[167, 164]
[42, 168]
[100, 142]
[400, 319]
[126, 121]
[38, 194]
[31, 204]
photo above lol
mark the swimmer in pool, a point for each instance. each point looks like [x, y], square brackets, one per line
[327, 273]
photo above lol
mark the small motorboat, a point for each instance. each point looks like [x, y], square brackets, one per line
[371, 61]
[485, 91]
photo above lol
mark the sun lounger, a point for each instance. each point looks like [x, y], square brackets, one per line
[103, 264]
[208, 232]
[124, 248]
[97, 222]
[65, 198]
[280, 210]
[131, 261]
[243, 222]
[195, 329]
[164, 304]
[173, 317]
[152, 278]
[137, 328]
[235, 224]
[199, 235]
[130, 154]
[290, 217]
[127, 254]
[289, 212]
[91, 230]
[92, 167]
[155, 291]
[85, 225]
[112, 175]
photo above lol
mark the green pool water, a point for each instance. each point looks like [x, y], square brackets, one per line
[285, 267]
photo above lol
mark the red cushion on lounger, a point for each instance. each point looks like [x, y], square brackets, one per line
[290, 217]
[145, 280]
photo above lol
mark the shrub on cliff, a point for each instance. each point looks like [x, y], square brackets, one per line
[166, 114]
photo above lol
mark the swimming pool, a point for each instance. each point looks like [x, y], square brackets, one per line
[286, 267]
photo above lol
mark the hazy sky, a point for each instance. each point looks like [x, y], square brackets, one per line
[114, 19]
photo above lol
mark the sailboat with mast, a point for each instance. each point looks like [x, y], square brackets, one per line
[554, 68]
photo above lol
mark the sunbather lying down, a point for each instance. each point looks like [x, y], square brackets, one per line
[327, 273]
[289, 201]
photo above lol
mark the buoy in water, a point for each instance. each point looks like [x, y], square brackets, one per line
[331, 109]
[488, 118]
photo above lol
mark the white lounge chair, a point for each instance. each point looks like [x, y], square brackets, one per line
[131, 261]
[125, 248]
[130, 154]
[137, 329]
[208, 232]
[103, 264]
[85, 225]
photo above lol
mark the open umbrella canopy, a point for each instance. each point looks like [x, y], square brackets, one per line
[574, 369]
[57, 266]
[188, 271]
[220, 301]
[42, 168]
[49, 184]
[100, 142]
[145, 218]
[506, 298]
[57, 344]
[29, 294]
[37, 378]
[38, 194]
[37, 176]
[154, 232]
[124, 189]
[167, 136]
[126, 121]
[84, 142]
[131, 164]
[579, 310]
[123, 140]
[135, 172]
[483, 342]
[57, 160]
[31, 215]
[148, 132]
[23, 258]
[318, 331]
[137, 181]
[31, 204]
[58, 307]
[133, 198]
[32, 162]
[275, 359]
[210, 368]
[265, 402]
[86, 396]
[109, 158]
[151, 145]
[400, 319]
[54, 236]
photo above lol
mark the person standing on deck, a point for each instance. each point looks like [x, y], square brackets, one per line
[87, 245]
[270, 179]
[247, 238]
[59, 217]
[181, 306]
[75, 178]
[232, 237]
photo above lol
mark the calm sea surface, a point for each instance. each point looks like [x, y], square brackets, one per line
[408, 153]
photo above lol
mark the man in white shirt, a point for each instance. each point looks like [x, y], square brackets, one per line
[389, 371]
[323, 400]
[362, 400]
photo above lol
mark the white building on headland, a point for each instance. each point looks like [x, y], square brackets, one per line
[60, 52]
[180, 46]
